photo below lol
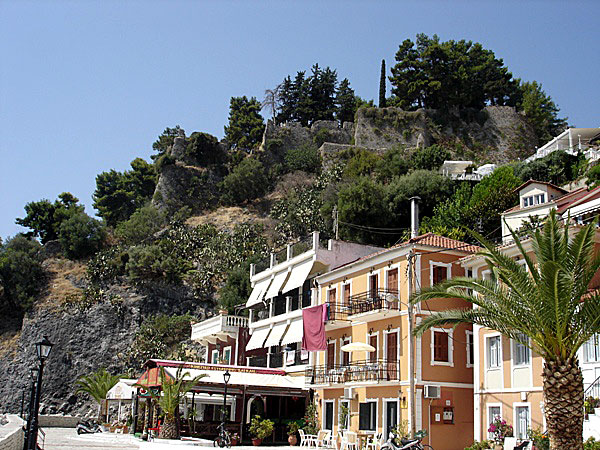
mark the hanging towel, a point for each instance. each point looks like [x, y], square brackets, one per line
[314, 329]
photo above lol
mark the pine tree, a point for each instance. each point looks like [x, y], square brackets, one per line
[346, 102]
[246, 125]
[382, 103]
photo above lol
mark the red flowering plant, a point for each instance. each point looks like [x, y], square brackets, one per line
[500, 429]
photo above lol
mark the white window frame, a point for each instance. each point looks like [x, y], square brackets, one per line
[516, 420]
[384, 423]
[433, 264]
[469, 336]
[514, 352]
[592, 347]
[342, 401]
[487, 338]
[212, 356]
[489, 406]
[450, 333]
[325, 402]
[225, 350]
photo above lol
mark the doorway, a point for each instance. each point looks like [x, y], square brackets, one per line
[391, 416]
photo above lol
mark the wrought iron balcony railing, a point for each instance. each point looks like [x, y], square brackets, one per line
[354, 372]
[375, 300]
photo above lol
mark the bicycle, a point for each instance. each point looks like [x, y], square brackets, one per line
[224, 438]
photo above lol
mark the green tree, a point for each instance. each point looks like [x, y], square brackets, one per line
[558, 168]
[45, 218]
[430, 158]
[541, 112]
[441, 75]
[361, 162]
[546, 306]
[305, 157]
[81, 236]
[165, 140]
[142, 225]
[346, 102]
[203, 149]
[246, 125]
[395, 162]
[382, 80]
[119, 194]
[21, 274]
[247, 181]
[236, 289]
[97, 385]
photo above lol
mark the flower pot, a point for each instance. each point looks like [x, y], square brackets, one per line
[292, 439]
[234, 442]
[498, 447]
[256, 441]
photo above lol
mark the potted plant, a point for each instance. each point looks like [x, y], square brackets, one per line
[260, 429]
[540, 440]
[500, 429]
[235, 439]
[292, 430]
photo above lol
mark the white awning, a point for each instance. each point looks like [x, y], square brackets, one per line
[258, 338]
[298, 277]
[276, 334]
[275, 287]
[294, 333]
[258, 292]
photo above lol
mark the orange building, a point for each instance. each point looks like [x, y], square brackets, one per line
[367, 302]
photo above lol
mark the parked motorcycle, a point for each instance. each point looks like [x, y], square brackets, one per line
[395, 443]
[88, 427]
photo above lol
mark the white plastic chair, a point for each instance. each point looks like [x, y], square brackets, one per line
[307, 440]
[375, 442]
[509, 443]
[349, 441]
[324, 439]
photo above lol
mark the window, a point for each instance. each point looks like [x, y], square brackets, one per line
[345, 356]
[227, 355]
[591, 349]
[328, 415]
[214, 358]
[494, 357]
[521, 354]
[470, 349]
[440, 346]
[306, 294]
[344, 405]
[367, 416]
[440, 273]
[373, 285]
[521, 421]
[540, 198]
[332, 296]
[494, 412]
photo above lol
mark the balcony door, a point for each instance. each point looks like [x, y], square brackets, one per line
[373, 343]
[373, 285]
[392, 281]
[392, 355]
[330, 355]
[346, 295]
[391, 416]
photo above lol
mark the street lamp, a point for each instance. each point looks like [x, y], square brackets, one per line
[34, 374]
[43, 349]
[226, 377]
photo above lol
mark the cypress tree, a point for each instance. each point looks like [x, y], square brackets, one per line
[382, 103]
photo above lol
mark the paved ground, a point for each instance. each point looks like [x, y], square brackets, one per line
[67, 439]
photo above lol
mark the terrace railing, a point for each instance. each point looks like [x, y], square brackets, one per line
[354, 372]
[375, 300]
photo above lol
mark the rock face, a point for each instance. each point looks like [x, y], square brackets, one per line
[84, 342]
[278, 139]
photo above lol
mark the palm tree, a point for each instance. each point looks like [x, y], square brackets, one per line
[97, 385]
[549, 303]
[173, 391]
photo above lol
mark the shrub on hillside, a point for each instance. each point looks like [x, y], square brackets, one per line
[151, 262]
[394, 163]
[430, 158]
[107, 264]
[247, 181]
[361, 162]
[141, 225]
[81, 236]
[305, 158]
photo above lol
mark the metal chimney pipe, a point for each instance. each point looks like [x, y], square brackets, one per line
[414, 216]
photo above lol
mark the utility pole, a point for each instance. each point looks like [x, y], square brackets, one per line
[411, 348]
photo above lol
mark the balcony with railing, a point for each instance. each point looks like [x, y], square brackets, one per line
[367, 371]
[379, 302]
[277, 360]
[289, 252]
[218, 327]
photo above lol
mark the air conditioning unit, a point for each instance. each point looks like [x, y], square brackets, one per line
[433, 391]
[349, 393]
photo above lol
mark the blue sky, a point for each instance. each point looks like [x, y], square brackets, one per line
[87, 86]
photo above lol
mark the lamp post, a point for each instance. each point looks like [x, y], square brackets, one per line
[226, 377]
[34, 373]
[43, 349]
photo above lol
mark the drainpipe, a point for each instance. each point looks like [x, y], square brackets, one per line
[414, 232]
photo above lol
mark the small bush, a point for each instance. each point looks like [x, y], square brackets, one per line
[152, 263]
[323, 135]
[362, 163]
[164, 160]
[107, 264]
[81, 236]
[246, 182]
[480, 445]
[305, 158]
[430, 158]
[141, 225]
